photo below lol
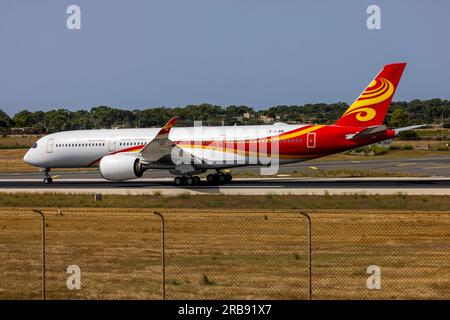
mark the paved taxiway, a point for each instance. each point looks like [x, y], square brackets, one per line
[160, 182]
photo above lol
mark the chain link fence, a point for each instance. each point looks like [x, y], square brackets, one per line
[109, 254]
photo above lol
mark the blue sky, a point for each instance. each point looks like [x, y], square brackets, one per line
[139, 54]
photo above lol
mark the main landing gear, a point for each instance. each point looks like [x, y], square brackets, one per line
[219, 178]
[47, 178]
[187, 181]
[212, 179]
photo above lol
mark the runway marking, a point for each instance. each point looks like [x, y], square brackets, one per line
[406, 164]
[313, 168]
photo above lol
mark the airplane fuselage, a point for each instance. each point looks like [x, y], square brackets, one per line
[224, 146]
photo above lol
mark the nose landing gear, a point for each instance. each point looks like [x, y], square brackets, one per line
[47, 178]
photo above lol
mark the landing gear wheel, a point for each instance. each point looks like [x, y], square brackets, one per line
[47, 178]
[197, 180]
[189, 181]
[211, 178]
[228, 177]
[178, 181]
[221, 178]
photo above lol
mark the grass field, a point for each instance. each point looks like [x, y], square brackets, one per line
[359, 201]
[433, 133]
[11, 161]
[213, 254]
[17, 141]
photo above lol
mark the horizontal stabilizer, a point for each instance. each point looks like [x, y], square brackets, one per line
[398, 130]
[368, 132]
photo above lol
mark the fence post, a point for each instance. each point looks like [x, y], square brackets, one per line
[310, 292]
[163, 255]
[43, 250]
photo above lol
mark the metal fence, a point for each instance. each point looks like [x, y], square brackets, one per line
[107, 254]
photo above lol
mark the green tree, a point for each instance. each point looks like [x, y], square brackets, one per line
[23, 119]
[399, 118]
[5, 120]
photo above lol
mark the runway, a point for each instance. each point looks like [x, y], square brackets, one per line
[160, 182]
[244, 186]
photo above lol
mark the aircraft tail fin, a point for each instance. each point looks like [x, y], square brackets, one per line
[372, 105]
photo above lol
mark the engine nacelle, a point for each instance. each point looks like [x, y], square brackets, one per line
[120, 167]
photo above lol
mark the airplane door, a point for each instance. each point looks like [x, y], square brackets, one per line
[50, 145]
[311, 140]
[112, 145]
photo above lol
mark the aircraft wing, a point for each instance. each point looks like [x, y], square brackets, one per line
[159, 150]
[161, 146]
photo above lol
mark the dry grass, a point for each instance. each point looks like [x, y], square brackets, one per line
[359, 201]
[18, 141]
[217, 254]
[421, 144]
[11, 161]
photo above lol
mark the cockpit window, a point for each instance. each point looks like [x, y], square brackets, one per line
[34, 145]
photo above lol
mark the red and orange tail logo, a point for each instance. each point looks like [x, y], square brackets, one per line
[372, 105]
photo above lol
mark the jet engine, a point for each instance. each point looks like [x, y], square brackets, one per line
[120, 167]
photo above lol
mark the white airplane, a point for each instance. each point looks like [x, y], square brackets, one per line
[124, 154]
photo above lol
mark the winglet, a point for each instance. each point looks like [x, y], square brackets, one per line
[160, 145]
[166, 129]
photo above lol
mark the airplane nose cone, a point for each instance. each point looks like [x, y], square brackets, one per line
[27, 157]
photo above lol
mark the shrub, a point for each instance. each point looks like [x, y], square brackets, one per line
[409, 135]
[372, 150]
